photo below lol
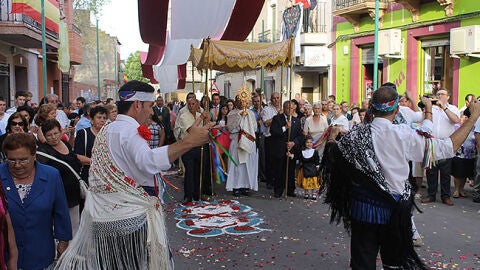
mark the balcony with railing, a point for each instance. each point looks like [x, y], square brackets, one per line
[314, 27]
[353, 10]
[265, 37]
[23, 31]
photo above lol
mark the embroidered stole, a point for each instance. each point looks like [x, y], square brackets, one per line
[121, 226]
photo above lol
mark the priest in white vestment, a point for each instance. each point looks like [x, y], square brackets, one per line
[242, 125]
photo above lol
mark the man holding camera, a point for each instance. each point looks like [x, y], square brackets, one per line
[444, 117]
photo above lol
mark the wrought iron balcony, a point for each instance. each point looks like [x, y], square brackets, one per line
[353, 9]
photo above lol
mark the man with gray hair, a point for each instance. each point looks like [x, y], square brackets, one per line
[61, 115]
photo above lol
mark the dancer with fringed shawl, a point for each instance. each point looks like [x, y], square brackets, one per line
[122, 226]
[365, 175]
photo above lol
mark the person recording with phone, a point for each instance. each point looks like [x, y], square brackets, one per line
[444, 117]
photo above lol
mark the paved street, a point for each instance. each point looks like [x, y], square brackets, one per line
[299, 236]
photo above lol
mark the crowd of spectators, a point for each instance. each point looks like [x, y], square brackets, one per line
[46, 149]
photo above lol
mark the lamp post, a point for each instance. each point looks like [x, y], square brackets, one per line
[98, 59]
[375, 47]
[44, 50]
[262, 70]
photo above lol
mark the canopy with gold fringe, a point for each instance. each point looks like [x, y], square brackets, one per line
[234, 56]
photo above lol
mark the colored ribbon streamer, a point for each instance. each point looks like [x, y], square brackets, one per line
[220, 173]
[223, 149]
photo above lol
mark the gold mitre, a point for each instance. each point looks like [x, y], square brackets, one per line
[244, 96]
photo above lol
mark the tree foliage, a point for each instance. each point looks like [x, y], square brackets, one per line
[93, 5]
[133, 68]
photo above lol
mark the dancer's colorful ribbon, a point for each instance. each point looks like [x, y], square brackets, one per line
[219, 166]
[161, 180]
[318, 142]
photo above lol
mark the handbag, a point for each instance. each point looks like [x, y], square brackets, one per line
[83, 185]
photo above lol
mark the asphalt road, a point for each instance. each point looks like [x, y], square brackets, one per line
[298, 235]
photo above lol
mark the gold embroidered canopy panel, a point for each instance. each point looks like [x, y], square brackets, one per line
[234, 56]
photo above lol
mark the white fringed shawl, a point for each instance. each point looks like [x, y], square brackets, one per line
[121, 226]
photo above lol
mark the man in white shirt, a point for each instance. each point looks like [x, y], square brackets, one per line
[476, 185]
[3, 116]
[119, 216]
[20, 97]
[444, 117]
[269, 112]
[192, 159]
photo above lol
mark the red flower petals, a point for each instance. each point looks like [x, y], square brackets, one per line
[144, 132]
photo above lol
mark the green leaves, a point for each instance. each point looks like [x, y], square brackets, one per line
[94, 6]
[133, 68]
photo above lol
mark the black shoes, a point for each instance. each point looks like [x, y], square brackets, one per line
[187, 201]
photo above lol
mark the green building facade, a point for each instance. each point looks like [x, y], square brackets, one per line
[417, 51]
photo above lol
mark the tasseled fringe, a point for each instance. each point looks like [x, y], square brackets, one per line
[401, 235]
[115, 245]
[337, 185]
[429, 159]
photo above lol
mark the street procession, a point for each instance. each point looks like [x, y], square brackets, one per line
[239, 134]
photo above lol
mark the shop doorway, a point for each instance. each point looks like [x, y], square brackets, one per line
[5, 82]
[368, 57]
[438, 71]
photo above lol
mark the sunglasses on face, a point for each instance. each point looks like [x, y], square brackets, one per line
[20, 124]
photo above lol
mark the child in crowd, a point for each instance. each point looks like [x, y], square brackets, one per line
[308, 175]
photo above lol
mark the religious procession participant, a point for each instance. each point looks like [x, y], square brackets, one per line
[286, 136]
[367, 181]
[269, 112]
[242, 125]
[191, 158]
[122, 227]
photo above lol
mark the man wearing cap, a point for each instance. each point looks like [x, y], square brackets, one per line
[122, 225]
[367, 180]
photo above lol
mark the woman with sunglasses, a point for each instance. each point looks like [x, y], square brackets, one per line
[16, 124]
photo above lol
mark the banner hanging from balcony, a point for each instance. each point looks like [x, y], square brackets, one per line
[235, 56]
[63, 49]
[33, 9]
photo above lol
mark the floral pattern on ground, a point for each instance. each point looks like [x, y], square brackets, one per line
[208, 219]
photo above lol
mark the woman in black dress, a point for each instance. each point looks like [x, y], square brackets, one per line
[86, 137]
[59, 154]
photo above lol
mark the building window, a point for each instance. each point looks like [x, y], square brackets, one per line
[226, 88]
[438, 71]
[269, 87]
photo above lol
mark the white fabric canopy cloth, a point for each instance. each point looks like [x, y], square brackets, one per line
[177, 51]
[200, 19]
[167, 76]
